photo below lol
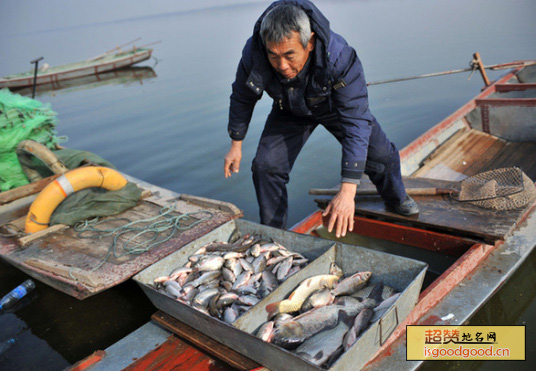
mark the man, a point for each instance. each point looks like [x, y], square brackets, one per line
[314, 77]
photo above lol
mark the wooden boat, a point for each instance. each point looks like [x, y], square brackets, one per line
[125, 76]
[94, 66]
[481, 248]
[496, 129]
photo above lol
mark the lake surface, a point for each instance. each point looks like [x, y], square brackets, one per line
[170, 129]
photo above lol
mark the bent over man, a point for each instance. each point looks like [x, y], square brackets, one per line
[314, 77]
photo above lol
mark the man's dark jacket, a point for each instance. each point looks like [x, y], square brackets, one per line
[334, 89]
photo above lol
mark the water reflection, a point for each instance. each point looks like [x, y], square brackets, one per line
[124, 76]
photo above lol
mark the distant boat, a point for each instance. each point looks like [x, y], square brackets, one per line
[126, 76]
[94, 66]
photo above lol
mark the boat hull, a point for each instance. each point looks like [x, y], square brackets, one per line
[90, 68]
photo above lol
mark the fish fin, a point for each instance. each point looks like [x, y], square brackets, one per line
[376, 292]
[346, 318]
[272, 309]
[333, 357]
[318, 355]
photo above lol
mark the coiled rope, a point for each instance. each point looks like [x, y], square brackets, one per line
[159, 224]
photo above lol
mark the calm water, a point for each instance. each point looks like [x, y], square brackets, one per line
[170, 129]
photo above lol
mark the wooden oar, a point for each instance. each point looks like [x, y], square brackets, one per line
[117, 48]
[431, 191]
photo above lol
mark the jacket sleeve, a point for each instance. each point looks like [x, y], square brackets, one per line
[243, 99]
[350, 101]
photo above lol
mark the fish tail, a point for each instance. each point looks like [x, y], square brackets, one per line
[272, 309]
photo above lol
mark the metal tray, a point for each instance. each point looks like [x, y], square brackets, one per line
[405, 275]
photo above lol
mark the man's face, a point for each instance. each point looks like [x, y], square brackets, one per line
[289, 56]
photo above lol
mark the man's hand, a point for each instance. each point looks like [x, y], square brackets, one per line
[342, 208]
[232, 159]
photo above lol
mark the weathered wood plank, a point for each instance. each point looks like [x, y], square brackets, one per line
[94, 255]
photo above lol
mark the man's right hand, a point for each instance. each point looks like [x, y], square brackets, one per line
[232, 159]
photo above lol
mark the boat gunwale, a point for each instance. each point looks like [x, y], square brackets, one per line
[26, 79]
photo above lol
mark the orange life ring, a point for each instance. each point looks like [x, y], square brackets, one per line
[52, 195]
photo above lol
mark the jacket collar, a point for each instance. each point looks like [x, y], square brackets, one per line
[262, 72]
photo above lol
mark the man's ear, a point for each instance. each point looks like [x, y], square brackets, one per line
[311, 42]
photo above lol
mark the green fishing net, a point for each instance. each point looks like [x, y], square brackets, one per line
[22, 118]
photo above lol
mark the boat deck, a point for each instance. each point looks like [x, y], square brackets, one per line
[471, 151]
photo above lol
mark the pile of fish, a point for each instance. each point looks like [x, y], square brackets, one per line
[225, 279]
[325, 315]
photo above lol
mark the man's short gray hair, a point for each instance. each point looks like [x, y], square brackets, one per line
[279, 23]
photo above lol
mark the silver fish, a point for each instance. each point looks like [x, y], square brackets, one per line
[351, 284]
[228, 286]
[361, 322]
[284, 268]
[335, 270]
[228, 274]
[319, 298]
[265, 332]
[247, 289]
[226, 299]
[173, 290]
[242, 279]
[255, 250]
[275, 260]
[324, 345]
[246, 265]
[205, 278]
[380, 310]
[259, 264]
[248, 300]
[233, 255]
[365, 292]
[204, 297]
[189, 293]
[212, 263]
[281, 318]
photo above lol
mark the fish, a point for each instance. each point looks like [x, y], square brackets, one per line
[335, 270]
[204, 278]
[317, 299]
[247, 266]
[259, 264]
[284, 268]
[255, 250]
[242, 279]
[320, 348]
[230, 314]
[222, 274]
[361, 322]
[380, 310]
[292, 333]
[212, 263]
[228, 275]
[351, 284]
[248, 299]
[213, 308]
[298, 296]
[266, 331]
[203, 297]
[347, 301]
[365, 291]
[226, 299]
[172, 290]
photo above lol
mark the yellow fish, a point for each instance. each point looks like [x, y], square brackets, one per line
[302, 292]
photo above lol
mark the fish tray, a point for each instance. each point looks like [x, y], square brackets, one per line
[404, 275]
